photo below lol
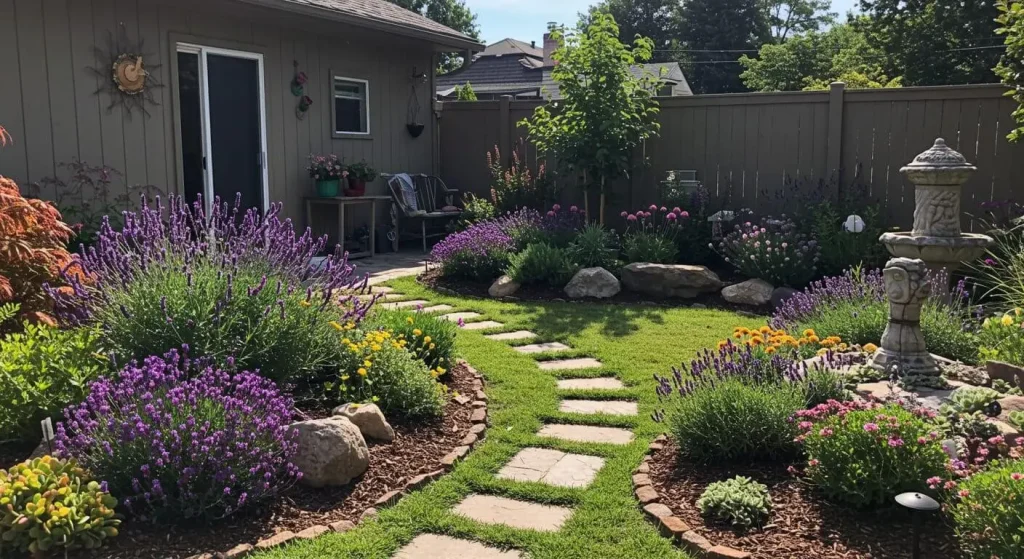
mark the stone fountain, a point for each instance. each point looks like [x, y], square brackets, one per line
[936, 243]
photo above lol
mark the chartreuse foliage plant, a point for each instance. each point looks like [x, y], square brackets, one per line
[740, 501]
[43, 370]
[429, 337]
[50, 505]
[232, 284]
[988, 512]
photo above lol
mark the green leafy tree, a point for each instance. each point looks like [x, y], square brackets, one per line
[934, 42]
[1011, 67]
[716, 33]
[656, 19]
[815, 59]
[792, 17]
[450, 13]
[605, 110]
[465, 92]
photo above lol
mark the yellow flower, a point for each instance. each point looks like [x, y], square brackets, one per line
[417, 332]
[367, 363]
[765, 330]
[432, 346]
[362, 372]
[305, 303]
[344, 377]
[1007, 320]
[808, 333]
[722, 344]
[755, 341]
[870, 348]
[375, 347]
[813, 339]
[426, 339]
[769, 350]
[987, 323]
[334, 324]
[409, 320]
[738, 335]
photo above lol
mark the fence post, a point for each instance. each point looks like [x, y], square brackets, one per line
[835, 130]
[505, 129]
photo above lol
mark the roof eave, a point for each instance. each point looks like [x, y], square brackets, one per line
[438, 39]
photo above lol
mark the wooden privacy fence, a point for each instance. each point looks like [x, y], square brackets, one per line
[770, 151]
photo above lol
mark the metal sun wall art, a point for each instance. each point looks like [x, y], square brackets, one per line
[124, 73]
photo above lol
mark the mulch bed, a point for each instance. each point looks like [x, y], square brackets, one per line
[454, 286]
[802, 525]
[416, 450]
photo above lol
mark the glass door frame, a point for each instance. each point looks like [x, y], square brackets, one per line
[203, 52]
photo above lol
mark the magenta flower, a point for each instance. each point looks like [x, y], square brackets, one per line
[551, 214]
[895, 442]
[922, 440]
[631, 218]
[556, 207]
[990, 262]
[573, 209]
[677, 210]
[653, 208]
[1015, 476]
[870, 427]
[671, 217]
[684, 214]
[934, 482]
[663, 209]
[623, 215]
[964, 493]
[813, 462]
[826, 432]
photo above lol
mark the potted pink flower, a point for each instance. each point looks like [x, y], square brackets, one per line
[327, 171]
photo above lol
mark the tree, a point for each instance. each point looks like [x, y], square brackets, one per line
[605, 111]
[465, 92]
[792, 17]
[656, 19]
[1011, 67]
[815, 59]
[934, 42]
[717, 32]
[450, 13]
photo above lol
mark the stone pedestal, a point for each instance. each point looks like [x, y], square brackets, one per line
[903, 346]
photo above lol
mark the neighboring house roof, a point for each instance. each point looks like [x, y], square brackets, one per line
[512, 46]
[672, 75]
[490, 70]
[377, 14]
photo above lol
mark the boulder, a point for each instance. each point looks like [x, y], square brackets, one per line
[670, 280]
[756, 292]
[593, 282]
[331, 452]
[369, 419]
[503, 287]
[1012, 374]
[781, 295]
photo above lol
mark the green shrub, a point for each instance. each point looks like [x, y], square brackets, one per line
[1002, 338]
[430, 338]
[842, 249]
[989, 515]
[863, 458]
[736, 420]
[541, 263]
[52, 505]
[824, 383]
[740, 501]
[43, 370]
[594, 247]
[475, 209]
[647, 246]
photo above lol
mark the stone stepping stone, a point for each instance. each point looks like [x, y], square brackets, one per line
[603, 383]
[587, 434]
[454, 317]
[569, 364]
[430, 546]
[509, 336]
[437, 308]
[484, 325]
[541, 348]
[608, 407]
[405, 304]
[552, 467]
[489, 509]
[381, 289]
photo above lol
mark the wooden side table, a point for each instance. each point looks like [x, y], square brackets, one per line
[343, 202]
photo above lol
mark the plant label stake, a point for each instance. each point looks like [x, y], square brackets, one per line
[48, 433]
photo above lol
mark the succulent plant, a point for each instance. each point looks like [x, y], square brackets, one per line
[740, 500]
[48, 504]
[970, 399]
[1017, 419]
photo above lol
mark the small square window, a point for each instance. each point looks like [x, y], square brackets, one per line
[351, 106]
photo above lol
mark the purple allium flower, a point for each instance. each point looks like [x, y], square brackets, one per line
[631, 218]
[182, 442]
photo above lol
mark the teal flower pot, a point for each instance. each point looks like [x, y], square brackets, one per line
[327, 188]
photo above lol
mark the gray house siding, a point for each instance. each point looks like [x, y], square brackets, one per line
[49, 105]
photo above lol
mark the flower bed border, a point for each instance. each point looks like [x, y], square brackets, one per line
[669, 525]
[476, 434]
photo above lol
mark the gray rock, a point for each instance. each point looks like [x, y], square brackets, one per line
[593, 282]
[331, 452]
[1005, 371]
[369, 419]
[781, 295]
[503, 287]
[670, 280]
[754, 292]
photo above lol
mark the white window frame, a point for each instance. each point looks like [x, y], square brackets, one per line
[334, 107]
[203, 51]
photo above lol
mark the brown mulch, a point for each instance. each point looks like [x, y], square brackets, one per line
[416, 450]
[802, 524]
[457, 286]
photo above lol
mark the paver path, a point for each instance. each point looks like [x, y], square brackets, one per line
[569, 364]
[609, 407]
[430, 546]
[552, 467]
[518, 514]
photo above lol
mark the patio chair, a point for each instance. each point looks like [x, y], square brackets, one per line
[421, 197]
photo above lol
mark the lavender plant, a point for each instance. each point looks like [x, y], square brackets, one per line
[482, 251]
[773, 250]
[174, 448]
[232, 284]
[855, 308]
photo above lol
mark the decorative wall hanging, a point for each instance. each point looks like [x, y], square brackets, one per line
[124, 73]
[413, 125]
[305, 102]
[299, 81]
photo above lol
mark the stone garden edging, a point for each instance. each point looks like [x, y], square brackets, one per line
[669, 525]
[476, 435]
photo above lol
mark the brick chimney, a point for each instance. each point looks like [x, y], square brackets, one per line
[550, 45]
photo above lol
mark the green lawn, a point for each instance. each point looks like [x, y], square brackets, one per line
[633, 342]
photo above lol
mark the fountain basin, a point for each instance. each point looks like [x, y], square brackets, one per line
[938, 252]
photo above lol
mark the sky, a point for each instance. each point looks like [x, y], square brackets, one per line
[526, 20]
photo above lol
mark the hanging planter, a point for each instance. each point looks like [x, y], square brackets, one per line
[304, 104]
[413, 125]
[415, 129]
[299, 81]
